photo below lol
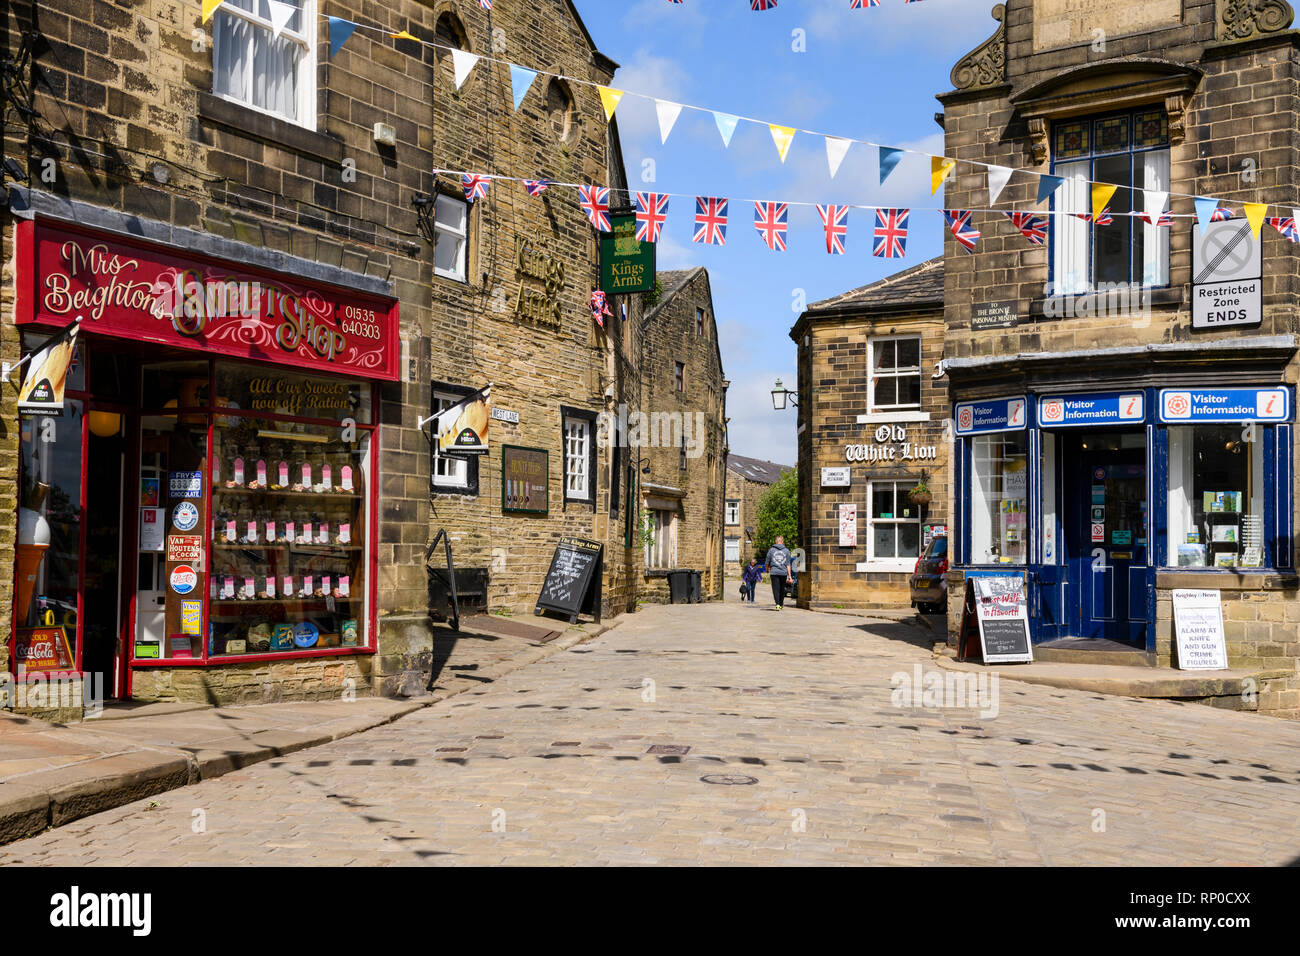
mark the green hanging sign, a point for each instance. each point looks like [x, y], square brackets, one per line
[626, 265]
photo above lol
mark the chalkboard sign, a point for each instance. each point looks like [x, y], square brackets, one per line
[995, 622]
[568, 586]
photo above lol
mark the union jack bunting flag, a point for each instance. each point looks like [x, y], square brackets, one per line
[1033, 228]
[771, 219]
[1164, 220]
[485, 4]
[476, 186]
[599, 307]
[595, 203]
[959, 222]
[1286, 226]
[536, 187]
[835, 220]
[710, 220]
[891, 233]
[863, 4]
[651, 211]
[762, 4]
[1105, 219]
[1221, 215]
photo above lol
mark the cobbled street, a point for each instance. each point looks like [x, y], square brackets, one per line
[777, 744]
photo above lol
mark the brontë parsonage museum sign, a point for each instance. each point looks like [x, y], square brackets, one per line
[135, 290]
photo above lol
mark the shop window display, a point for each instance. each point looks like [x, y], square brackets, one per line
[999, 499]
[1216, 496]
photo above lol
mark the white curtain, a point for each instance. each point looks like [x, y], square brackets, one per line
[251, 65]
[1070, 248]
[1155, 239]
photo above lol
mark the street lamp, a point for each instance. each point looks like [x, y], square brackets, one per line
[779, 396]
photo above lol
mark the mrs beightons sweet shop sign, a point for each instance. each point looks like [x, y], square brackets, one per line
[130, 289]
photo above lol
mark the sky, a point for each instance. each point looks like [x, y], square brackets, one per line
[816, 65]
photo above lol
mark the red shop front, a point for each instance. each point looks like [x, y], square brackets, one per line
[206, 495]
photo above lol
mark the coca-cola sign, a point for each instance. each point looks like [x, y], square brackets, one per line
[136, 290]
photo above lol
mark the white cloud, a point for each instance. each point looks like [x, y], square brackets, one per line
[756, 429]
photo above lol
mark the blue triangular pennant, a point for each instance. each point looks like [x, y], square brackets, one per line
[1204, 210]
[889, 158]
[520, 81]
[1047, 185]
[726, 126]
[340, 30]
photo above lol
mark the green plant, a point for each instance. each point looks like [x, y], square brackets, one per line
[648, 299]
[646, 532]
[778, 515]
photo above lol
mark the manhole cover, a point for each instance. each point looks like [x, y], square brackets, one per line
[729, 779]
[675, 749]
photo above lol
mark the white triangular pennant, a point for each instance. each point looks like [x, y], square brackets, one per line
[668, 113]
[281, 14]
[998, 176]
[1153, 204]
[836, 150]
[462, 62]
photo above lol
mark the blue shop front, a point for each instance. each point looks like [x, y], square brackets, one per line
[1103, 499]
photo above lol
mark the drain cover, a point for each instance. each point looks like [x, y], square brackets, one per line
[675, 749]
[729, 779]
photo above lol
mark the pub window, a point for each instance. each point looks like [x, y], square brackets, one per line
[254, 67]
[578, 439]
[1130, 150]
[999, 496]
[451, 474]
[733, 512]
[681, 377]
[895, 535]
[894, 373]
[661, 539]
[451, 238]
[1216, 496]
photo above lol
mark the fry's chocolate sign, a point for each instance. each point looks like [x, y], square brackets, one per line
[134, 290]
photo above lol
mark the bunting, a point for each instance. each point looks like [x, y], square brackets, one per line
[998, 178]
[891, 233]
[1033, 228]
[889, 157]
[595, 203]
[1048, 185]
[281, 13]
[835, 220]
[667, 113]
[771, 220]
[940, 169]
[651, 213]
[1101, 193]
[609, 98]
[726, 124]
[209, 8]
[340, 31]
[710, 220]
[599, 307]
[536, 187]
[1206, 210]
[476, 186]
[1153, 208]
[959, 223]
[520, 81]
[1285, 226]
[836, 150]
[1255, 212]
[783, 136]
[462, 62]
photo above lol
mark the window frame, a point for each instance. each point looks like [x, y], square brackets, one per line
[306, 79]
[1091, 157]
[700, 324]
[728, 545]
[469, 485]
[440, 229]
[732, 512]
[873, 374]
[891, 563]
[679, 374]
[569, 415]
[659, 530]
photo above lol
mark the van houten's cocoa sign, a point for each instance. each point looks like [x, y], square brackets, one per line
[139, 291]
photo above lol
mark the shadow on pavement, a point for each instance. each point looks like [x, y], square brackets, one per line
[915, 634]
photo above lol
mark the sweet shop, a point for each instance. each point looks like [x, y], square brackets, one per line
[198, 480]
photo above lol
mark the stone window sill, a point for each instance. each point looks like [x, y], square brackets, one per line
[279, 132]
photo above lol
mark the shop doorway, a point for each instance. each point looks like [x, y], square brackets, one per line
[103, 599]
[1104, 524]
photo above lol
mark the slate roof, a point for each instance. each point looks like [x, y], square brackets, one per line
[917, 287]
[755, 469]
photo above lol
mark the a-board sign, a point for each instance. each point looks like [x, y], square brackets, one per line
[1198, 630]
[572, 584]
[995, 621]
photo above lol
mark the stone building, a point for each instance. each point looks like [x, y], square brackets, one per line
[252, 222]
[748, 479]
[681, 470]
[1124, 433]
[872, 422]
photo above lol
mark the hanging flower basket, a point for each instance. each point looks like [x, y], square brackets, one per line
[920, 495]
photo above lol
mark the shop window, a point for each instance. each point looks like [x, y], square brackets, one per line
[1216, 496]
[1130, 150]
[267, 391]
[451, 238]
[733, 512]
[733, 549]
[999, 497]
[895, 533]
[452, 474]
[894, 373]
[254, 67]
[579, 455]
[661, 539]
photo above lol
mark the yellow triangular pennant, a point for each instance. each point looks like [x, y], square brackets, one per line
[940, 168]
[1254, 215]
[209, 8]
[783, 136]
[609, 99]
[1101, 193]
[403, 36]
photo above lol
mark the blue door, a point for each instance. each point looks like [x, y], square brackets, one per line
[1105, 530]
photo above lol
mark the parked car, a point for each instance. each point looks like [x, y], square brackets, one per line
[929, 581]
